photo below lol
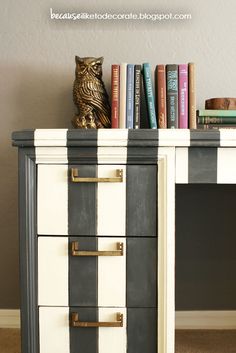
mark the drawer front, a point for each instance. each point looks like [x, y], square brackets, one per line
[125, 207]
[97, 271]
[137, 334]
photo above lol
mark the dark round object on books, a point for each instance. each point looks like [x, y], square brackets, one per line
[221, 103]
[90, 95]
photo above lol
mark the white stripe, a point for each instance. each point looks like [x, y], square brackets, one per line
[51, 155]
[174, 137]
[111, 274]
[181, 162]
[112, 137]
[226, 165]
[54, 330]
[112, 339]
[53, 271]
[112, 155]
[50, 137]
[52, 200]
[227, 137]
[166, 250]
[111, 202]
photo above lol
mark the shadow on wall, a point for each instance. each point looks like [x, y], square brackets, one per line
[31, 98]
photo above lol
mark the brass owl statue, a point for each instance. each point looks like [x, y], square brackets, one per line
[90, 96]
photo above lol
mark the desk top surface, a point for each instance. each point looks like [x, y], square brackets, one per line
[124, 138]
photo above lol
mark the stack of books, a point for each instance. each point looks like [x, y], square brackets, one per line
[215, 119]
[136, 104]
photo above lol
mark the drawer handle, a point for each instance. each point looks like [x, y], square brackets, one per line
[76, 179]
[76, 323]
[76, 252]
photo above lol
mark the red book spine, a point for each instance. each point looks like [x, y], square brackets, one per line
[161, 96]
[115, 95]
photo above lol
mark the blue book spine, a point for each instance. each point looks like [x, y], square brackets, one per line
[149, 95]
[130, 97]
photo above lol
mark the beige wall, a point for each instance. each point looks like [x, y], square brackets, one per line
[37, 71]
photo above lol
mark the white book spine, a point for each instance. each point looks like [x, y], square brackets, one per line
[123, 76]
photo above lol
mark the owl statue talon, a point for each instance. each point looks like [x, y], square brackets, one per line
[90, 96]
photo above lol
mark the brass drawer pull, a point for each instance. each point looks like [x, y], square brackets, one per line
[76, 179]
[76, 252]
[76, 323]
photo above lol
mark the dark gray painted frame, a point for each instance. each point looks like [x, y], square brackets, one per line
[28, 251]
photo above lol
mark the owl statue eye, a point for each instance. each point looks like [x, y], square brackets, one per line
[95, 67]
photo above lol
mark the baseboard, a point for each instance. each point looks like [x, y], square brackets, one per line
[205, 320]
[192, 320]
[9, 318]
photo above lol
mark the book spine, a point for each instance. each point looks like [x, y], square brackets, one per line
[115, 87]
[137, 93]
[183, 96]
[149, 95]
[215, 113]
[161, 96]
[216, 120]
[123, 75]
[215, 126]
[172, 96]
[144, 118]
[130, 97]
[192, 96]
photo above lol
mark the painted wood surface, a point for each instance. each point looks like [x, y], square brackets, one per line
[52, 200]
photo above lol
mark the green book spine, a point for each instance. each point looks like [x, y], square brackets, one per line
[216, 126]
[216, 120]
[172, 96]
[213, 112]
[149, 95]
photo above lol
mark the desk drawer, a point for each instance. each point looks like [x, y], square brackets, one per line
[99, 273]
[136, 335]
[115, 206]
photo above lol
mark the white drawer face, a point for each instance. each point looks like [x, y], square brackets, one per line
[131, 330]
[121, 206]
[97, 271]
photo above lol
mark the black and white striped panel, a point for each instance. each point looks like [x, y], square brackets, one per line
[216, 165]
[137, 335]
[129, 280]
[127, 208]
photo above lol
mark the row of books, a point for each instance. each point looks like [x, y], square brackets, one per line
[216, 118]
[136, 104]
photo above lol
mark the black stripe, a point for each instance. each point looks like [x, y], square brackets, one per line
[84, 339]
[82, 137]
[28, 251]
[82, 155]
[83, 274]
[202, 165]
[141, 200]
[205, 138]
[143, 137]
[141, 272]
[142, 330]
[23, 138]
[82, 202]
[141, 155]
